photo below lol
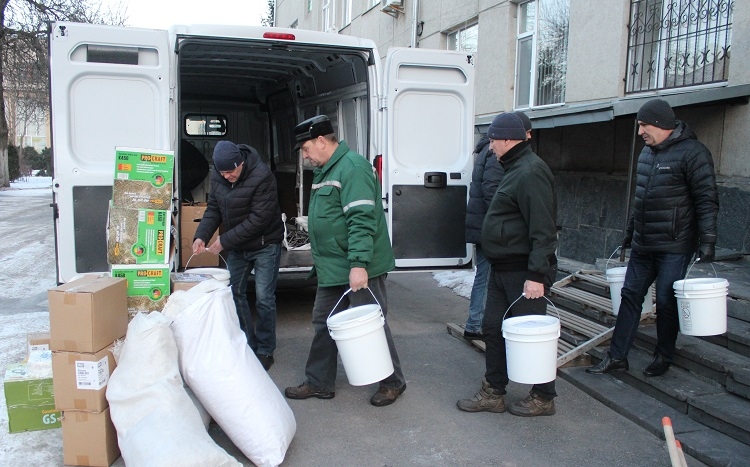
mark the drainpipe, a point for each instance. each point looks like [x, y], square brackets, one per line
[414, 23]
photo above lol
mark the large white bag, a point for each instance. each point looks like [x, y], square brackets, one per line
[157, 423]
[225, 375]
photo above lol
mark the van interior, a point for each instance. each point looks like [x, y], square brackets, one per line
[255, 92]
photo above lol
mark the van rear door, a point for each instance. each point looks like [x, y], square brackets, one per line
[427, 156]
[110, 86]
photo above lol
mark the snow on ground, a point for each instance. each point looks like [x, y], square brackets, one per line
[29, 186]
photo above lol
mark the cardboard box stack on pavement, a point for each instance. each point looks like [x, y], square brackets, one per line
[29, 394]
[86, 317]
[139, 226]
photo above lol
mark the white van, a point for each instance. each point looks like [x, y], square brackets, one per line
[142, 88]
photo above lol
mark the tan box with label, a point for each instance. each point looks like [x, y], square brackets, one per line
[80, 379]
[190, 217]
[87, 314]
[89, 438]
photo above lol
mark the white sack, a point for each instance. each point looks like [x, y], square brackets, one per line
[225, 375]
[157, 423]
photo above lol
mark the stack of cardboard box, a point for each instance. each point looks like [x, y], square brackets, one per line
[139, 225]
[29, 394]
[87, 316]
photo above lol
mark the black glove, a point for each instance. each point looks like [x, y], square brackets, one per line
[627, 240]
[706, 253]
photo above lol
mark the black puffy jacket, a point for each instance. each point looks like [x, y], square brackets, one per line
[676, 201]
[248, 208]
[485, 177]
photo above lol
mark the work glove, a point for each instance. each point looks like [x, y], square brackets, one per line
[706, 253]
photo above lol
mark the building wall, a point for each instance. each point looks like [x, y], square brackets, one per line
[597, 62]
[590, 161]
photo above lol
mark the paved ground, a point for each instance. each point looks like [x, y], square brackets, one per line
[423, 428]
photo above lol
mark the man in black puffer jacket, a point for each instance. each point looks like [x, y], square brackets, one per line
[485, 177]
[674, 216]
[244, 198]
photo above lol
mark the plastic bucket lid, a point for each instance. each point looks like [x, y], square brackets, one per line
[701, 283]
[217, 273]
[532, 325]
[353, 317]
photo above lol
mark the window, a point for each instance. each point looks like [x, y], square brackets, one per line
[309, 6]
[464, 40]
[541, 52]
[347, 13]
[678, 43]
[205, 125]
[327, 15]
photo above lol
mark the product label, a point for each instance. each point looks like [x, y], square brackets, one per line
[92, 375]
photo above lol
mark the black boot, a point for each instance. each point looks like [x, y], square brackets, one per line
[609, 364]
[659, 365]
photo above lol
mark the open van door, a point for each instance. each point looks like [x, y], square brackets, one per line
[109, 87]
[427, 156]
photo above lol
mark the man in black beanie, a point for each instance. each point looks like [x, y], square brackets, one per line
[519, 238]
[674, 217]
[244, 198]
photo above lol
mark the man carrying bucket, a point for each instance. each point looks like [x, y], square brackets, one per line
[351, 250]
[519, 238]
[674, 216]
[244, 198]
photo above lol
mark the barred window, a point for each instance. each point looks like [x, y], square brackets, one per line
[675, 44]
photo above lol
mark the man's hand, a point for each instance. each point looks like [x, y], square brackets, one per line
[215, 247]
[706, 252]
[357, 279]
[627, 240]
[533, 289]
[198, 246]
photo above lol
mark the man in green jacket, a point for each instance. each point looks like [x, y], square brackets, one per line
[350, 249]
[519, 238]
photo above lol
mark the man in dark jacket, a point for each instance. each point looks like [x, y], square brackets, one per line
[674, 216]
[244, 198]
[519, 238]
[485, 177]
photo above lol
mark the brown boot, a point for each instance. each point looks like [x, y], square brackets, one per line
[533, 406]
[486, 400]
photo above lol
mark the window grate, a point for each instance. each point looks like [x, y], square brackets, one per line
[675, 44]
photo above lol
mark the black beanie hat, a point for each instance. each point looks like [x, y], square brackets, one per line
[227, 156]
[507, 126]
[524, 119]
[657, 112]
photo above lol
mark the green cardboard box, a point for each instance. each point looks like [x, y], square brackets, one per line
[138, 236]
[148, 286]
[143, 178]
[30, 398]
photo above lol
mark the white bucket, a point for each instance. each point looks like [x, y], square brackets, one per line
[531, 348]
[615, 279]
[360, 338]
[702, 306]
[221, 275]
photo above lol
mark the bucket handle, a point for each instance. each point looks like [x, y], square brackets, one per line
[344, 294]
[606, 265]
[191, 257]
[688, 273]
[543, 296]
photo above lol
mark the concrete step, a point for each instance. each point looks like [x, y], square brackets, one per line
[698, 440]
[704, 401]
[722, 365]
